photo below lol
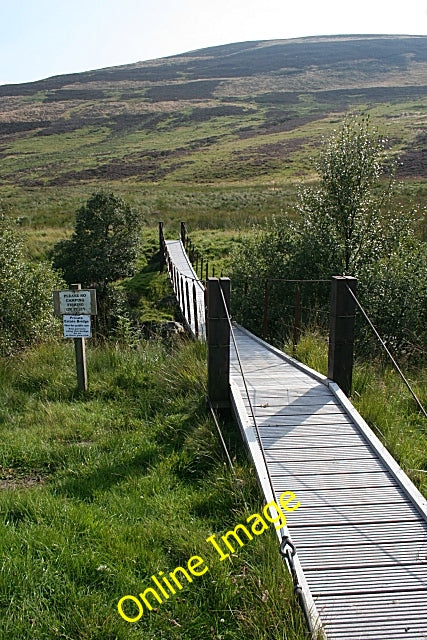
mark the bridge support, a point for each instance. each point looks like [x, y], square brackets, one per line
[341, 332]
[162, 245]
[218, 339]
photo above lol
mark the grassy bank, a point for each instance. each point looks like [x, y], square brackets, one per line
[98, 493]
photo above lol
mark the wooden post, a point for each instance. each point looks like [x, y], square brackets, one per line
[196, 318]
[265, 317]
[181, 295]
[297, 317]
[341, 332]
[218, 330]
[183, 234]
[80, 351]
[162, 246]
[187, 300]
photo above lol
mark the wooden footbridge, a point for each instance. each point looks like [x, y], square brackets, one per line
[357, 546]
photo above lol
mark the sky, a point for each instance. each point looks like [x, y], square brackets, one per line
[42, 38]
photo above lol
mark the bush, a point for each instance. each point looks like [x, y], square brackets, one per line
[26, 305]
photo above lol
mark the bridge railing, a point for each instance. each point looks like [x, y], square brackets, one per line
[201, 314]
[188, 289]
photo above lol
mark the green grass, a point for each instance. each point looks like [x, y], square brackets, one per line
[99, 492]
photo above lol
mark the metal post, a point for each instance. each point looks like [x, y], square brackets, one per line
[341, 332]
[218, 330]
[80, 351]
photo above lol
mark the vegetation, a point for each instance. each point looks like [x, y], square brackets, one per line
[105, 244]
[99, 493]
[104, 247]
[348, 224]
[230, 119]
[25, 295]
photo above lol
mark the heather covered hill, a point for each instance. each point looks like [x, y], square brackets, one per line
[241, 114]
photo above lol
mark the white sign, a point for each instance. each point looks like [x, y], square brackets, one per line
[78, 302]
[75, 302]
[77, 326]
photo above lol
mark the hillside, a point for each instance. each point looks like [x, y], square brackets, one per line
[242, 114]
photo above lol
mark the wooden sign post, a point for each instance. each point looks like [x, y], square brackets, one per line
[76, 306]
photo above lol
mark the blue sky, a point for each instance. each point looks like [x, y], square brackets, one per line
[41, 38]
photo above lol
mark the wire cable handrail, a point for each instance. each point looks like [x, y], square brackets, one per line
[386, 349]
[287, 548]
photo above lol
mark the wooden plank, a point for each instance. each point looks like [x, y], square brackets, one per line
[397, 633]
[323, 452]
[403, 553]
[358, 534]
[361, 496]
[327, 466]
[316, 401]
[303, 419]
[338, 481]
[295, 409]
[383, 602]
[345, 514]
[323, 431]
[287, 443]
[358, 580]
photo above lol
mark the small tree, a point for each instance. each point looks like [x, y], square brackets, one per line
[352, 213]
[103, 248]
[105, 242]
[350, 224]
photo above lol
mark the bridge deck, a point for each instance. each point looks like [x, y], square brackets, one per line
[361, 529]
[184, 267]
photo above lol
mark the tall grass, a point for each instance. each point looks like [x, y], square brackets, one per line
[99, 492]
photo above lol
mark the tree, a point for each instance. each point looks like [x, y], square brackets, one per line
[349, 223]
[26, 306]
[352, 212]
[103, 248]
[105, 243]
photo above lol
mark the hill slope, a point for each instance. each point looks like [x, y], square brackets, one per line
[242, 113]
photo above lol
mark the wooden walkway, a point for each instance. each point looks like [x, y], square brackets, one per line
[361, 530]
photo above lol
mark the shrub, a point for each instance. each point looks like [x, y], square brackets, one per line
[26, 306]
